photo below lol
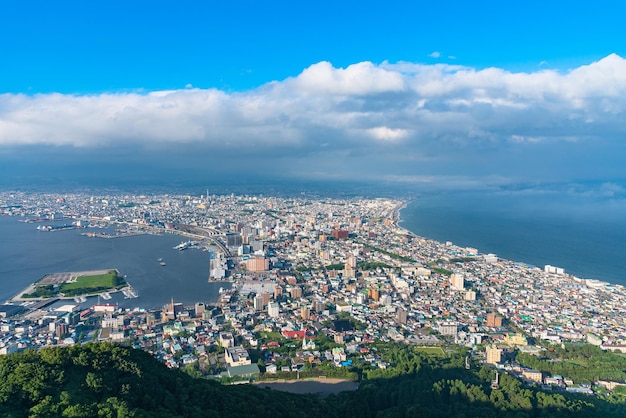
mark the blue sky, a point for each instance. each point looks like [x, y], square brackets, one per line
[458, 94]
[88, 47]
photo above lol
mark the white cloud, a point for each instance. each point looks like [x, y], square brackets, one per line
[387, 134]
[357, 79]
[435, 54]
[374, 113]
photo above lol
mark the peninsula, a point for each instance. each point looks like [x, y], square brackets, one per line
[73, 285]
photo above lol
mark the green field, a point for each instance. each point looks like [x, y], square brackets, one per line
[81, 285]
[108, 280]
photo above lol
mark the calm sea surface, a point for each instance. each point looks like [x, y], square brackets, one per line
[586, 242]
[27, 254]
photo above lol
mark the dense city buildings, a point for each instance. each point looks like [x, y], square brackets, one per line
[299, 269]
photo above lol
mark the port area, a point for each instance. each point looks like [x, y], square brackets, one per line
[76, 286]
[119, 233]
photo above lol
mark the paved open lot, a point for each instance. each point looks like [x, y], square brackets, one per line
[321, 387]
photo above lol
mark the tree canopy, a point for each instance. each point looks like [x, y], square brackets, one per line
[109, 380]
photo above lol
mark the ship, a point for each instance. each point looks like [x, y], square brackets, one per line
[185, 244]
[130, 293]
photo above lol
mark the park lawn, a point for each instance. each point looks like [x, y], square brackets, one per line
[99, 281]
[272, 336]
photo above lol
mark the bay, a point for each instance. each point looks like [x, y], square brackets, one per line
[588, 241]
[27, 254]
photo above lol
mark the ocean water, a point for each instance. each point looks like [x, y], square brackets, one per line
[587, 240]
[27, 254]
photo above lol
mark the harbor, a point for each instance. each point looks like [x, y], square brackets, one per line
[77, 286]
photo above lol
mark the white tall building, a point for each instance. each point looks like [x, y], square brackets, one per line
[449, 328]
[258, 303]
[554, 270]
[273, 309]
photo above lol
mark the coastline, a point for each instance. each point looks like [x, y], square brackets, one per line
[593, 281]
[398, 217]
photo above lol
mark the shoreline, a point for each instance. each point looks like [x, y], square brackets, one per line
[398, 225]
[596, 281]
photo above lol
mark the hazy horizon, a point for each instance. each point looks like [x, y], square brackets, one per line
[432, 97]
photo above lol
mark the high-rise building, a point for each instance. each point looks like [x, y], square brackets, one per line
[494, 354]
[258, 264]
[266, 298]
[295, 292]
[339, 233]
[457, 281]
[401, 316]
[60, 329]
[233, 239]
[493, 320]
[373, 294]
[305, 313]
[248, 231]
[199, 309]
[258, 303]
[361, 298]
[553, 270]
[349, 271]
[449, 328]
[273, 309]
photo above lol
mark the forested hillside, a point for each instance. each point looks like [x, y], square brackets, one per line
[115, 381]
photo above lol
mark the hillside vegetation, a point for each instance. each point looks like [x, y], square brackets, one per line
[110, 380]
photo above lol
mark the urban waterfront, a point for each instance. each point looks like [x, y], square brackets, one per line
[582, 246]
[27, 254]
[307, 272]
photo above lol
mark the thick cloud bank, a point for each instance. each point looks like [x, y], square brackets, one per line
[389, 114]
